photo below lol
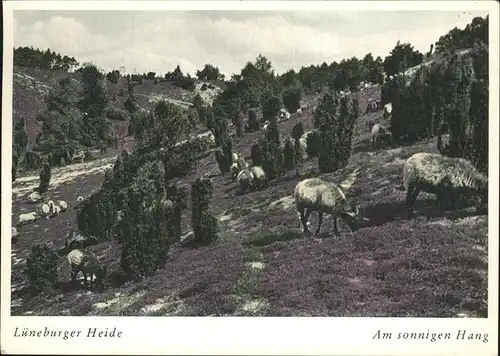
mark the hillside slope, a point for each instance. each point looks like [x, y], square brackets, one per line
[30, 85]
[263, 265]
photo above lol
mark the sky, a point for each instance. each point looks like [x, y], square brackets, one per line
[158, 41]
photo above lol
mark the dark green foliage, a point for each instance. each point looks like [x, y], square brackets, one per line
[96, 215]
[41, 268]
[289, 155]
[178, 195]
[272, 156]
[253, 122]
[270, 107]
[297, 130]
[204, 224]
[291, 98]
[238, 124]
[34, 57]
[476, 31]
[145, 240]
[402, 57]
[313, 143]
[130, 105]
[450, 97]
[220, 130]
[209, 72]
[113, 76]
[116, 114]
[335, 117]
[256, 152]
[204, 87]
[44, 178]
[224, 156]
[138, 122]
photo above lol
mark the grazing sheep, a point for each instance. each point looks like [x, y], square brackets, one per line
[315, 107]
[259, 176]
[79, 199]
[82, 260]
[379, 133]
[35, 197]
[242, 164]
[444, 176]
[78, 240]
[56, 210]
[235, 156]
[234, 170]
[284, 114]
[266, 125]
[63, 205]
[78, 158]
[299, 111]
[46, 210]
[26, 218]
[315, 194]
[245, 180]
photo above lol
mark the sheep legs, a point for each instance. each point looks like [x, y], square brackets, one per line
[411, 197]
[320, 220]
[303, 218]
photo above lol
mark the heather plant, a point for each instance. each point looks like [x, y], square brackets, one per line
[41, 268]
[204, 224]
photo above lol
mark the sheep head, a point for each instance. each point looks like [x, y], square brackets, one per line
[351, 217]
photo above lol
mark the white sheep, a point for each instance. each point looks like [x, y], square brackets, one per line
[46, 210]
[299, 111]
[315, 194]
[26, 218]
[259, 176]
[379, 133]
[82, 260]
[304, 106]
[266, 125]
[235, 156]
[245, 179]
[35, 197]
[79, 199]
[315, 107]
[63, 205]
[444, 176]
[391, 77]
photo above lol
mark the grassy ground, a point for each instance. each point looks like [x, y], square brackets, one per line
[263, 265]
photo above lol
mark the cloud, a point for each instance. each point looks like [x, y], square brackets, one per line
[159, 41]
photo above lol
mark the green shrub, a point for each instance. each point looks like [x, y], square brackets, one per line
[41, 268]
[270, 108]
[44, 177]
[204, 224]
[130, 106]
[289, 155]
[291, 98]
[335, 117]
[256, 152]
[253, 122]
[116, 114]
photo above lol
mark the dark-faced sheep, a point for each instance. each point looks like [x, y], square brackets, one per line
[380, 134]
[315, 194]
[245, 180]
[444, 176]
[81, 260]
